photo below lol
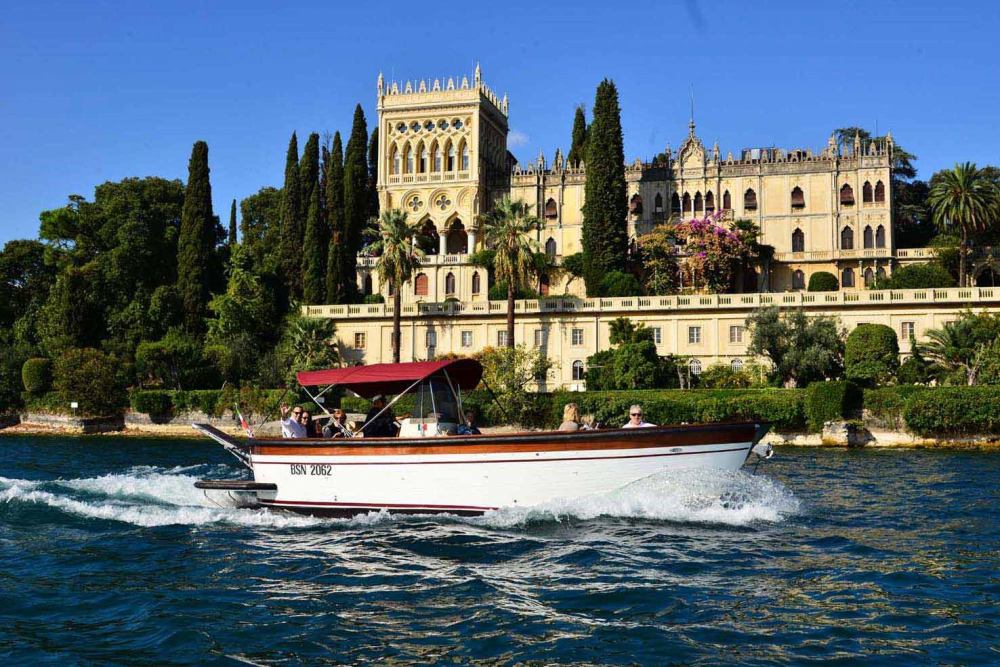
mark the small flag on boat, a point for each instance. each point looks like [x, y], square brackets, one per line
[243, 422]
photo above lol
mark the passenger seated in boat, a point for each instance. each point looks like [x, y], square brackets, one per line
[380, 425]
[635, 418]
[337, 426]
[469, 427]
[571, 418]
[311, 427]
[589, 423]
[290, 426]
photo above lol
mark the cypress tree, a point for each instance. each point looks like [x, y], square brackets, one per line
[196, 241]
[577, 151]
[335, 292]
[314, 254]
[308, 173]
[605, 211]
[373, 173]
[291, 223]
[232, 224]
[357, 201]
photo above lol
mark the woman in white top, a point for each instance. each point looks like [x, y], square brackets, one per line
[571, 418]
[635, 418]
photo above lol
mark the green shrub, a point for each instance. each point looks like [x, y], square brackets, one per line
[90, 378]
[373, 298]
[722, 376]
[152, 402]
[918, 276]
[871, 356]
[830, 401]
[203, 400]
[885, 405]
[619, 283]
[36, 375]
[823, 281]
[914, 370]
[944, 411]
[51, 403]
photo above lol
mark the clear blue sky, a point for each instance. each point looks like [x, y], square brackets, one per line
[100, 91]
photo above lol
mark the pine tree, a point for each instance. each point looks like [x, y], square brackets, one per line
[373, 173]
[291, 223]
[578, 150]
[335, 292]
[357, 201]
[308, 173]
[314, 254]
[196, 241]
[605, 211]
[232, 224]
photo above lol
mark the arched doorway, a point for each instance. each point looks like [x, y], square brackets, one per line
[427, 239]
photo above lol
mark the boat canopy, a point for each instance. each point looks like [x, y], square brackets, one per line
[367, 381]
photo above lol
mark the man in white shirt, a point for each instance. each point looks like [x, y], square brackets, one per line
[635, 418]
[290, 426]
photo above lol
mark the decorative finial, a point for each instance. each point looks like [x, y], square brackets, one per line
[479, 73]
[381, 83]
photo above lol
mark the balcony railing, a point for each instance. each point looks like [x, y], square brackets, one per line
[680, 302]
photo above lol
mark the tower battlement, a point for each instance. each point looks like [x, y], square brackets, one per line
[426, 93]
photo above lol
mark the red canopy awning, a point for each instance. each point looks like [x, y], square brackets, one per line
[367, 381]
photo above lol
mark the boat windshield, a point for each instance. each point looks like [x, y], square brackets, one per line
[435, 399]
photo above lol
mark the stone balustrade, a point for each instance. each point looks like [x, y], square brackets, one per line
[679, 302]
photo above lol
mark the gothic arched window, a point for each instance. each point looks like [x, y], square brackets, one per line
[798, 241]
[880, 274]
[869, 237]
[880, 192]
[687, 203]
[736, 365]
[465, 156]
[699, 204]
[675, 204]
[368, 284]
[880, 237]
[422, 162]
[449, 163]
[658, 203]
[798, 279]
[436, 157]
[449, 283]
[394, 165]
[847, 277]
[543, 284]
[750, 200]
[550, 247]
[847, 238]
[578, 371]
[798, 198]
[695, 366]
[846, 195]
[869, 277]
[420, 285]
[866, 193]
[476, 280]
[727, 201]
[709, 202]
[551, 212]
[635, 205]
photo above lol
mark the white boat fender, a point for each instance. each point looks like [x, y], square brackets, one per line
[763, 450]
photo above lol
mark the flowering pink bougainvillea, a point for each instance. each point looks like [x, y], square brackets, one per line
[714, 252]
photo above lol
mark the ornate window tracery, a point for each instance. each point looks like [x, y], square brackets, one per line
[750, 200]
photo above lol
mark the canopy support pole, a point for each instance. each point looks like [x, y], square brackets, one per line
[348, 433]
[457, 395]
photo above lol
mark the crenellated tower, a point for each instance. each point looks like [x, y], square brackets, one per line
[443, 155]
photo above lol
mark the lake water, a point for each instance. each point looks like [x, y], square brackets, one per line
[108, 554]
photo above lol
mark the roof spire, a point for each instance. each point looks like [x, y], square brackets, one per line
[691, 122]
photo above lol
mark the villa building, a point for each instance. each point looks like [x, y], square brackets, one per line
[443, 159]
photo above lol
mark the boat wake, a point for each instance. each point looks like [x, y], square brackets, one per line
[149, 496]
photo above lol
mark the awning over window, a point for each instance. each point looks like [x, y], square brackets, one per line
[368, 381]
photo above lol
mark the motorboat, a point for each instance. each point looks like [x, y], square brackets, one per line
[429, 468]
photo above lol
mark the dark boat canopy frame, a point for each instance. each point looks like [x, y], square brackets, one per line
[367, 381]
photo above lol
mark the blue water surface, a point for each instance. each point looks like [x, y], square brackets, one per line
[108, 554]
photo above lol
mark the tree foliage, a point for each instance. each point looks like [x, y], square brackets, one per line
[508, 372]
[398, 258]
[578, 146]
[357, 198]
[823, 281]
[964, 198]
[314, 249]
[507, 231]
[199, 235]
[605, 211]
[290, 238]
[631, 363]
[337, 289]
[90, 378]
[917, 276]
[871, 356]
[801, 349]
[960, 351]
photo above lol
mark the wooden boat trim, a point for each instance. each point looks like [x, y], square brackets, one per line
[533, 441]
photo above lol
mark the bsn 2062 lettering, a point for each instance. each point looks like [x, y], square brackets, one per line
[323, 469]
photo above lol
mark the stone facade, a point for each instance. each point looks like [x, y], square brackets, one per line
[444, 160]
[708, 328]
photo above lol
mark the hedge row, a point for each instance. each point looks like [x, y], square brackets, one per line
[830, 401]
[954, 411]
[884, 406]
[784, 408]
[165, 403]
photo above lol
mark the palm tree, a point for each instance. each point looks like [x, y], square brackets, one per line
[965, 197]
[306, 345]
[398, 258]
[507, 231]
